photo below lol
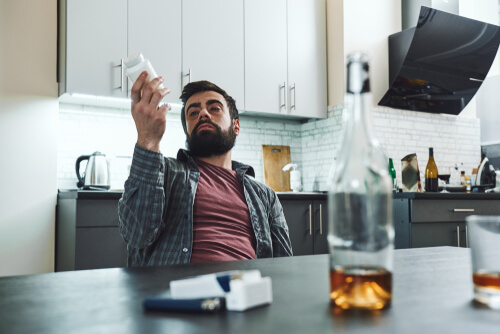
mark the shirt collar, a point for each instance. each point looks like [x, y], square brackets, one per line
[184, 156]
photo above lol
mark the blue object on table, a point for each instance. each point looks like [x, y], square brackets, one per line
[166, 303]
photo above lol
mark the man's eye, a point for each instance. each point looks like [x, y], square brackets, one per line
[215, 108]
[193, 113]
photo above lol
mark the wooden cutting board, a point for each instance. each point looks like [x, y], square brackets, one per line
[274, 159]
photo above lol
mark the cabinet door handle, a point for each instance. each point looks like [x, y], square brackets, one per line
[283, 104]
[458, 236]
[466, 237]
[294, 97]
[463, 210]
[320, 220]
[310, 219]
[188, 75]
[122, 66]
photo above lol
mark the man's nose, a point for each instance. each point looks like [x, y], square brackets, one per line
[204, 114]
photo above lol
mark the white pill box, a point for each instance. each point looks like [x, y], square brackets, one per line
[243, 290]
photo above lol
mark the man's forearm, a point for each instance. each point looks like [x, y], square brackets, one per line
[140, 209]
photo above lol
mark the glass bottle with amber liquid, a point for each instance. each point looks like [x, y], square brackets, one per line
[361, 233]
[431, 174]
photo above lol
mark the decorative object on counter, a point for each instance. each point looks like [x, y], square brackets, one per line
[486, 175]
[484, 235]
[361, 231]
[410, 174]
[392, 173]
[431, 174]
[274, 158]
[295, 182]
[96, 176]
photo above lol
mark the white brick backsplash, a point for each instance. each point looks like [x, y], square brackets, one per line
[313, 145]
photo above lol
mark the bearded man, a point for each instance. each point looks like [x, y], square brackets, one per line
[200, 206]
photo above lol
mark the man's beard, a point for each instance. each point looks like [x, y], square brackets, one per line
[208, 143]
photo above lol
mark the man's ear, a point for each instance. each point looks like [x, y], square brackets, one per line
[236, 123]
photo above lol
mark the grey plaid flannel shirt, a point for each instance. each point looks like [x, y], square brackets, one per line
[156, 210]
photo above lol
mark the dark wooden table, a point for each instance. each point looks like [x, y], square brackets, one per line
[432, 294]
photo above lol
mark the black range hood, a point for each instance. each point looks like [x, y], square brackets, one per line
[439, 65]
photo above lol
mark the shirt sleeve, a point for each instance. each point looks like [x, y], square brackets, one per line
[280, 237]
[141, 207]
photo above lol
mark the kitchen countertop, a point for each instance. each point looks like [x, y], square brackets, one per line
[117, 194]
[461, 195]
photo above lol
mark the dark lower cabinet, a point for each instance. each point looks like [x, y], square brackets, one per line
[87, 235]
[429, 220]
[439, 234]
[308, 225]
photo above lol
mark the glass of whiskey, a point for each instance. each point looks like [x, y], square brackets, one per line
[484, 241]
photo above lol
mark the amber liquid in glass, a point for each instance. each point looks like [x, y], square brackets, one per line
[368, 288]
[487, 280]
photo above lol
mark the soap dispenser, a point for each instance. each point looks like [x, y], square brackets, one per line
[295, 182]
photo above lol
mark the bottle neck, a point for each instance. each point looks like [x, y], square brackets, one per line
[358, 109]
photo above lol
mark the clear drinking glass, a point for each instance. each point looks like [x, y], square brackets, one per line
[484, 241]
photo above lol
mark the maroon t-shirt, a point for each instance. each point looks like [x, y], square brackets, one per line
[222, 230]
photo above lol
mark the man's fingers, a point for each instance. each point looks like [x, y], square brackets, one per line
[149, 89]
[135, 93]
[158, 95]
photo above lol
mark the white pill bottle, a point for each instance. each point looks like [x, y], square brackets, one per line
[136, 64]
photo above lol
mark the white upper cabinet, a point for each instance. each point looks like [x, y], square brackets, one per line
[212, 44]
[270, 56]
[285, 57]
[307, 69]
[265, 56]
[154, 28]
[93, 42]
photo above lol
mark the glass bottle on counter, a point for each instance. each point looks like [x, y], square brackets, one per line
[392, 173]
[431, 174]
[361, 232]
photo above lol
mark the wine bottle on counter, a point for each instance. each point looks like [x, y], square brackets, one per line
[431, 174]
[392, 173]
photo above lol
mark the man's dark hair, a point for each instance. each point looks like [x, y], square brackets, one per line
[202, 86]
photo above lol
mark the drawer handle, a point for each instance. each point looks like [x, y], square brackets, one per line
[320, 219]
[310, 219]
[466, 237]
[463, 210]
[458, 236]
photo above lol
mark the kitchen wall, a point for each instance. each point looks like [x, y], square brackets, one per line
[28, 135]
[313, 145]
[85, 129]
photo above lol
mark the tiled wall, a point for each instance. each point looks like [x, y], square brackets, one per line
[313, 145]
[85, 129]
[456, 141]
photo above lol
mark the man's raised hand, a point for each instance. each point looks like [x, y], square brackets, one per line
[149, 116]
